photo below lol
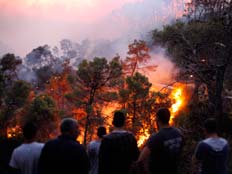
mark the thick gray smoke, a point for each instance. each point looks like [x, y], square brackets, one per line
[104, 37]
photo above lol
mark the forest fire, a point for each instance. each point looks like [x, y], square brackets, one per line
[178, 102]
[177, 96]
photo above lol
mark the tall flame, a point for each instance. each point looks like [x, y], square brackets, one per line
[144, 135]
[177, 96]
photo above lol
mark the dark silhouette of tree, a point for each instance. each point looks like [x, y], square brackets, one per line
[94, 80]
[138, 56]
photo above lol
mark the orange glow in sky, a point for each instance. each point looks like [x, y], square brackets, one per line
[27, 24]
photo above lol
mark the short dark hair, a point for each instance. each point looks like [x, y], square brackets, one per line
[210, 125]
[163, 115]
[101, 131]
[68, 124]
[29, 130]
[119, 119]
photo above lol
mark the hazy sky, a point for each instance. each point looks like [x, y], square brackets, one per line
[27, 24]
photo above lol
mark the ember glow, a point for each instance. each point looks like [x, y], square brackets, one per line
[13, 131]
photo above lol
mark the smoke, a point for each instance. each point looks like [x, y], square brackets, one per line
[94, 29]
[166, 70]
[28, 24]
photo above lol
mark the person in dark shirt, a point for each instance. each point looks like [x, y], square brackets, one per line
[64, 154]
[212, 152]
[118, 150]
[162, 149]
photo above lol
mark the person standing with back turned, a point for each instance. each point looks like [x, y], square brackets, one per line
[64, 155]
[163, 149]
[212, 152]
[118, 149]
[25, 158]
[93, 150]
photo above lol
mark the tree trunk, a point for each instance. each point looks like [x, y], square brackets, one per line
[134, 116]
[3, 130]
[218, 93]
[86, 128]
[88, 112]
[215, 93]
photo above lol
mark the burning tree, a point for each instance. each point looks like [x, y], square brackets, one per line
[202, 48]
[43, 112]
[13, 93]
[95, 81]
[15, 98]
[203, 51]
[138, 56]
[134, 97]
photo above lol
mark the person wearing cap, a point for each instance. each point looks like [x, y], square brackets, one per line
[64, 154]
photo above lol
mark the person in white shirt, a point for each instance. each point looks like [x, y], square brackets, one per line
[93, 150]
[25, 157]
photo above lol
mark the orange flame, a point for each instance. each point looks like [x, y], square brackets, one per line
[13, 131]
[177, 96]
[143, 137]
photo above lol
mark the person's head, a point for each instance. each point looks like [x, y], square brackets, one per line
[119, 119]
[101, 131]
[210, 126]
[29, 131]
[69, 126]
[163, 116]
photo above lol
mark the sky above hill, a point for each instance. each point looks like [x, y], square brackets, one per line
[27, 24]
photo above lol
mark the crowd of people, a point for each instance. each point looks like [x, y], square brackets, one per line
[117, 152]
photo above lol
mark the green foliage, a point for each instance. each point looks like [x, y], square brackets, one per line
[42, 108]
[96, 83]
[190, 43]
[9, 62]
[138, 56]
[18, 94]
[98, 73]
[138, 86]
[43, 74]
[134, 97]
[202, 50]
[42, 111]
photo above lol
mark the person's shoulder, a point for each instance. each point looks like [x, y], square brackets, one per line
[153, 137]
[223, 140]
[38, 144]
[51, 141]
[176, 130]
[94, 143]
[216, 144]
[117, 135]
[203, 144]
[18, 149]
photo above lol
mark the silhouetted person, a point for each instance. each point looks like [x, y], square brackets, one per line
[64, 154]
[93, 150]
[118, 150]
[162, 149]
[25, 158]
[212, 152]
